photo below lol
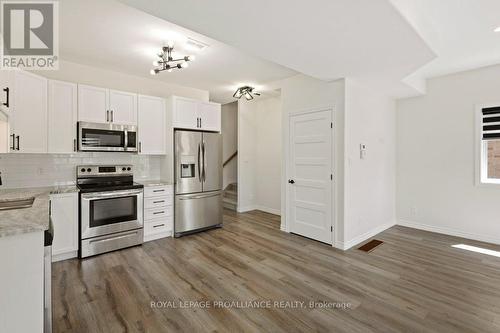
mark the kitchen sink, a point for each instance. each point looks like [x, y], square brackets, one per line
[8, 204]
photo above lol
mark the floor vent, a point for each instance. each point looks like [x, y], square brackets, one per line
[371, 245]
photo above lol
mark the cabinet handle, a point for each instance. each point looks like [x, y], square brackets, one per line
[107, 116]
[18, 142]
[112, 115]
[156, 213]
[74, 144]
[13, 141]
[200, 122]
[7, 93]
[140, 147]
[158, 225]
[158, 191]
[158, 201]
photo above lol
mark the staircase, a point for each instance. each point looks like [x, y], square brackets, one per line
[230, 198]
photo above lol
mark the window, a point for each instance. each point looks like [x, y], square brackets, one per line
[489, 136]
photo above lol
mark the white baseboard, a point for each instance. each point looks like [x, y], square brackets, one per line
[258, 207]
[449, 231]
[361, 238]
[64, 256]
[269, 210]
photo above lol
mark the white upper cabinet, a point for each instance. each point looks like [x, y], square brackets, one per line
[92, 104]
[62, 117]
[152, 125]
[123, 107]
[28, 113]
[210, 116]
[100, 105]
[192, 114]
[185, 113]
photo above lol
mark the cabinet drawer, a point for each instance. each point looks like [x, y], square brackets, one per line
[157, 226]
[157, 191]
[158, 202]
[157, 213]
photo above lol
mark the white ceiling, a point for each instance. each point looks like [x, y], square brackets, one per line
[109, 34]
[459, 31]
[326, 39]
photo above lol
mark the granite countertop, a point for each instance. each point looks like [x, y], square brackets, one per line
[35, 218]
[150, 183]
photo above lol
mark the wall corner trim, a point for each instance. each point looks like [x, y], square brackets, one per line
[363, 237]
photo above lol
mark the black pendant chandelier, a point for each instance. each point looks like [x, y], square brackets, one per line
[167, 62]
[246, 91]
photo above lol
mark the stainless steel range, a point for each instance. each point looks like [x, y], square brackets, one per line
[111, 208]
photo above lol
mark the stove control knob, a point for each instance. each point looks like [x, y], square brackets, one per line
[129, 168]
[82, 170]
[124, 169]
[89, 169]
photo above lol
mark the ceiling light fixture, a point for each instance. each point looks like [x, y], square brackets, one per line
[246, 91]
[497, 29]
[167, 61]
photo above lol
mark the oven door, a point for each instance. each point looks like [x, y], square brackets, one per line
[105, 213]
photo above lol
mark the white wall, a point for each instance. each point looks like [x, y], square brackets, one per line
[370, 183]
[38, 170]
[229, 123]
[268, 139]
[259, 155]
[301, 93]
[436, 190]
[83, 74]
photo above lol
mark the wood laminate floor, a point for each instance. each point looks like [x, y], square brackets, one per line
[415, 282]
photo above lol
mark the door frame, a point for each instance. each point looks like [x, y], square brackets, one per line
[286, 174]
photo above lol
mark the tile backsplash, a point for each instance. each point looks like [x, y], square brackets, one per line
[38, 170]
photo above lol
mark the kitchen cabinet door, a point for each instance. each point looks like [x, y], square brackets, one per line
[64, 215]
[210, 116]
[185, 113]
[151, 125]
[28, 116]
[62, 117]
[123, 107]
[92, 104]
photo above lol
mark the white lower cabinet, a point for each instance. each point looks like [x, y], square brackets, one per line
[158, 212]
[64, 215]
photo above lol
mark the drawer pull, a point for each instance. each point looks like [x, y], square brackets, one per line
[158, 191]
[156, 213]
[159, 225]
[158, 201]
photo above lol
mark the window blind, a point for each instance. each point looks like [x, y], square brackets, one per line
[491, 123]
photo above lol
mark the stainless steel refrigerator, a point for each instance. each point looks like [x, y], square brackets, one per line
[198, 181]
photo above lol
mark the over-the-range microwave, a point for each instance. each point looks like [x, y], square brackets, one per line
[106, 137]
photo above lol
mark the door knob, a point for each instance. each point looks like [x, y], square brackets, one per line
[291, 181]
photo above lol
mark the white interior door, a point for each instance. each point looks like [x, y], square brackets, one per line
[310, 176]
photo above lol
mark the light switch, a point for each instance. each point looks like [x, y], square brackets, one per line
[362, 151]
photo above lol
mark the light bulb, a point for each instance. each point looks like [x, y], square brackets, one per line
[153, 71]
[169, 70]
[189, 58]
[156, 63]
[184, 65]
[170, 43]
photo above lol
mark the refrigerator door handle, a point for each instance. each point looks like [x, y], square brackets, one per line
[199, 165]
[202, 196]
[204, 161]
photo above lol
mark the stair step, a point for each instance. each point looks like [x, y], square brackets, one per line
[229, 203]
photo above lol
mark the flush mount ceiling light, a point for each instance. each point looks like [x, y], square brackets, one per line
[167, 61]
[246, 91]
